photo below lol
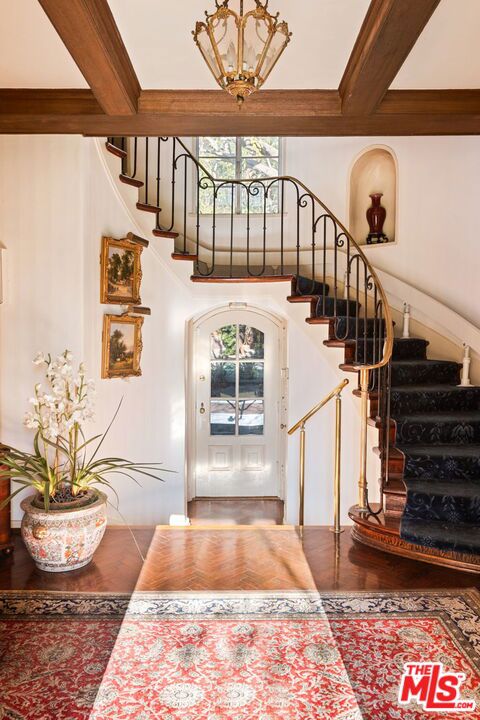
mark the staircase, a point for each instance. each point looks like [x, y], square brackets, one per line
[428, 428]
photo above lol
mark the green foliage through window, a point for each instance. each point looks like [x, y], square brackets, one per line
[244, 158]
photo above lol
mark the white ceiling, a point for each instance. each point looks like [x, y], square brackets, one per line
[158, 38]
[31, 53]
[447, 53]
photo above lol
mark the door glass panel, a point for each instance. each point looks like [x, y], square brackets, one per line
[250, 417]
[251, 379]
[251, 342]
[223, 381]
[222, 417]
[223, 343]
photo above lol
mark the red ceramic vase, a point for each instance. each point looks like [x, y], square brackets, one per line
[376, 215]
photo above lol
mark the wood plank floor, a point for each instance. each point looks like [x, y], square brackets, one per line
[267, 558]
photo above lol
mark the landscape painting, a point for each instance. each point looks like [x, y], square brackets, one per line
[122, 346]
[120, 272]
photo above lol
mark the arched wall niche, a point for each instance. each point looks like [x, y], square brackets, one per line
[375, 170]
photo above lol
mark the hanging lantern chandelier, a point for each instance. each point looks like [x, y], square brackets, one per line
[240, 49]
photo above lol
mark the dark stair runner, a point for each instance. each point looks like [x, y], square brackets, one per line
[437, 430]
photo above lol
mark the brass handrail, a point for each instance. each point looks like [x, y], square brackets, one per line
[316, 408]
[337, 394]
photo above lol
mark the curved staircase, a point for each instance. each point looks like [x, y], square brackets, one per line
[428, 428]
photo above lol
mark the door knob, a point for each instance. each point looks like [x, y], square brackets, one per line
[202, 409]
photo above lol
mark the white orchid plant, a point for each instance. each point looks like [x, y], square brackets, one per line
[61, 468]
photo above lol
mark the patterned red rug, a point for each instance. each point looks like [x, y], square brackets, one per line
[231, 657]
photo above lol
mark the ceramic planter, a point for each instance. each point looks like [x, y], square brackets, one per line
[64, 539]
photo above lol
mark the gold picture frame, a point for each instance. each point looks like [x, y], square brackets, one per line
[121, 346]
[121, 272]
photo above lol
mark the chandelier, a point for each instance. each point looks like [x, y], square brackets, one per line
[240, 49]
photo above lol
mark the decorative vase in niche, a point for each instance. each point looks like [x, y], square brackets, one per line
[376, 215]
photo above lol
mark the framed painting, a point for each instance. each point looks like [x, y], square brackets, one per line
[121, 346]
[121, 272]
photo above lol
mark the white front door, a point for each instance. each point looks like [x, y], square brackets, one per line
[238, 405]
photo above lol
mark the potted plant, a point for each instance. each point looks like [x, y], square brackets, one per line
[65, 519]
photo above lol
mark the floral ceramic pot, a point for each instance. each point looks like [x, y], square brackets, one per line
[65, 538]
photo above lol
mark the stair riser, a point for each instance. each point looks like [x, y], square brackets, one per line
[437, 433]
[410, 402]
[305, 286]
[443, 467]
[431, 374]
[411, 349]
[325, 307]
[350, 329]
[443, 507]
[448, 541]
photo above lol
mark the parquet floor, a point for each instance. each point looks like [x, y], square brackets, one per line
[240, 558]
[254, 558]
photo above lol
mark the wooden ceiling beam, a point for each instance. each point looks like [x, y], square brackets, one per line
[90, 34]
[388, 34]
[271, 112]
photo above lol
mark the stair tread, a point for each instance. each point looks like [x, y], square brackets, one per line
[434, 486]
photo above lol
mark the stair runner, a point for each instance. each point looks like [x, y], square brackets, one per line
[437, 430]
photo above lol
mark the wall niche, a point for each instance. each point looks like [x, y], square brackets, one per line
[374, 171]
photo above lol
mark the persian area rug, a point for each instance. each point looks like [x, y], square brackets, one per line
[269, 656]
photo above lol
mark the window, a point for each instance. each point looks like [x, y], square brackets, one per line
[231, 158]
[237, 359]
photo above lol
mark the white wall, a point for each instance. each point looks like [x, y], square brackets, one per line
[56, 204]
[57, 200]
[437, 248]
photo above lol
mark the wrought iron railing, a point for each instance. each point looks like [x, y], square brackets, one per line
[259, 243]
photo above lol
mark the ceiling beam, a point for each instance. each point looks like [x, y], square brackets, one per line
[388, 34]
[91, 36]
[270, 112]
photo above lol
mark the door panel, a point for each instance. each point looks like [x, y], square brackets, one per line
[237, 377]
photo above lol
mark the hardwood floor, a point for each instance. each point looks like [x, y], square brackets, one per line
[242, 558]
[235, 511]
